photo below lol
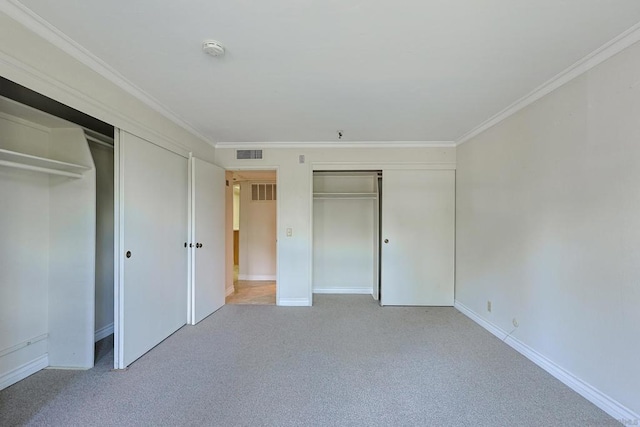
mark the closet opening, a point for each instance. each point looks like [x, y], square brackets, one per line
[251, 237]
[56, 220]
[346, 232]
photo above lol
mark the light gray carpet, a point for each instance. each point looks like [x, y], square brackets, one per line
[344, 361]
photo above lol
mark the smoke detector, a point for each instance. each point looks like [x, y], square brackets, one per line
[212, 47]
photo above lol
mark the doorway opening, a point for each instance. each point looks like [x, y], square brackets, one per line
[252, 237]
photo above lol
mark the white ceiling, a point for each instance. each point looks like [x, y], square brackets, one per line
[299, 70]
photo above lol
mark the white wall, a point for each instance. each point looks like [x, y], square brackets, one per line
[548, 227]
[257, 237]
[103, 160]
[295, 200]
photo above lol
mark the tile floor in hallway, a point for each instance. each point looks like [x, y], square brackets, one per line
[257, 292]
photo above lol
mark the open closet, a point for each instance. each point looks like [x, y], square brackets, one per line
[345, 232]
[48, 251]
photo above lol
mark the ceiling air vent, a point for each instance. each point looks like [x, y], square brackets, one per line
[248, 154]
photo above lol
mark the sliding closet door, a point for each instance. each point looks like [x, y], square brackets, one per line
[153, 202]
[208, 238]
[418, 237]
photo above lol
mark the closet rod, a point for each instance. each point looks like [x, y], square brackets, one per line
[39, 169]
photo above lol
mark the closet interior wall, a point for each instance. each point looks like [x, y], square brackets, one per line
[345, 232]
[102, 152]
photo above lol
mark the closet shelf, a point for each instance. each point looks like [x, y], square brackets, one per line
[345, 195]
[40, 164]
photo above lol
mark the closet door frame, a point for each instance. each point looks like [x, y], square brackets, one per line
[340, 166]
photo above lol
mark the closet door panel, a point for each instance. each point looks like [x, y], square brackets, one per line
[208, 269]
[154, 202]
[418, 237]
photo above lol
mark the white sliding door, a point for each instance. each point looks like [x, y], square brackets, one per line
[418, 237]
[208, 239]
[152, 292]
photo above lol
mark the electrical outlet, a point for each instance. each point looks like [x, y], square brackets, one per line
[515, 322]
[489, 306]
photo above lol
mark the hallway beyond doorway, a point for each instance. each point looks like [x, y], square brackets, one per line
[251, 237]
[255, 292]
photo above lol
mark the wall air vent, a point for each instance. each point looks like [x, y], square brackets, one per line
[263, 192]
[248, 154]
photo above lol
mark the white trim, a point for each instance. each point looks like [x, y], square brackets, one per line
[230, 290]
[278, 228]
[118, 260]
[354, 291]
[310, 236]
[191, 262]
[44, 29]
[592, 394]
[604, 52]
[351, 166]
[334, 144]
[103, 332]
[294, 302]
[256, 277]
[23, 371]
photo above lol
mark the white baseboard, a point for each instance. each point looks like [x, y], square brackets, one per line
[592, 394]
[103, 332]
[294, 302]
[23, 371]
[231, 289]
[358, 291]
[256, 277]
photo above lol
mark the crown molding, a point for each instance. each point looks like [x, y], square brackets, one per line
[598, 56]
[25, 16]
[334, 144]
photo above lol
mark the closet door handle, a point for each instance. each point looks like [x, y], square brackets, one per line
[198, 245]
[386, 240]
[128, 254]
